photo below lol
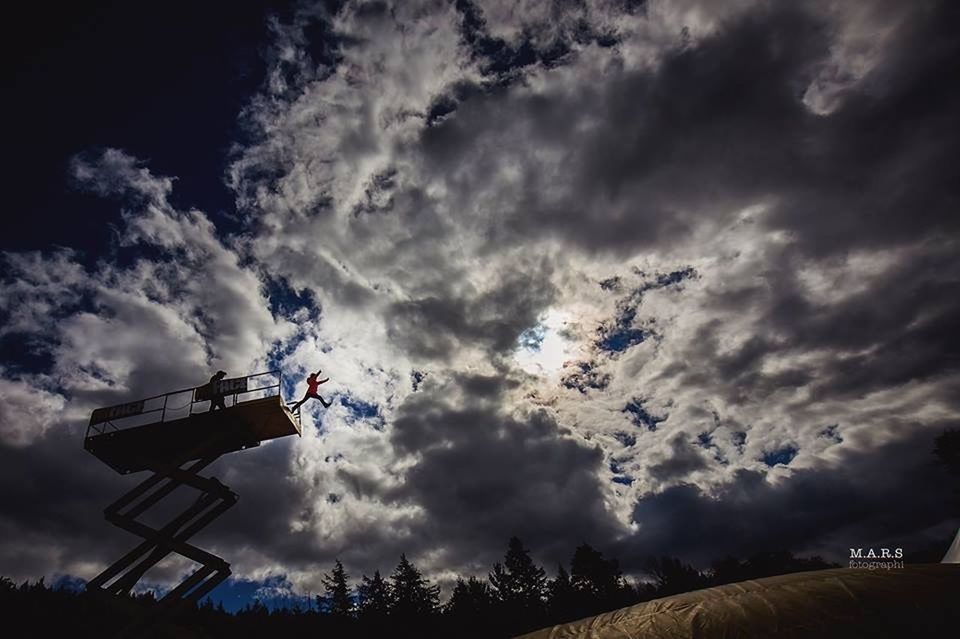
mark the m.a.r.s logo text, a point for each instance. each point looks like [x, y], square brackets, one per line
[876, 553]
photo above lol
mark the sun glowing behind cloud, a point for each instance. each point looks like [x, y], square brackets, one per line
[543, 349]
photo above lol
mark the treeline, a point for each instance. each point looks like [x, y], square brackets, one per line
[515, 597]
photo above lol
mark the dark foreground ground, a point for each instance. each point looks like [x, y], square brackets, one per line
[921, 600]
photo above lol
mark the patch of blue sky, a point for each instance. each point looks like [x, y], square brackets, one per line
[285, 301]
[69, 583]
[532, 338]
[621, 339]
[362, 410]
[278, 354]
[620, 475]
[705, 441]
[626, 439]
[26, 354]
[416, 378]
[621, 334]
[640, 416]
[674, 277]
[832, 433]
[274, 593]
[739, 439]
[780, 456]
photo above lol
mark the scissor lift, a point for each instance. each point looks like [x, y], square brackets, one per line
[170, 437]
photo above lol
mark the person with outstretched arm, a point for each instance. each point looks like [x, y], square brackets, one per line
[312, 385]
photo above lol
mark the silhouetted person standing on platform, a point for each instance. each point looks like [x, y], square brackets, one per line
[312, 385]
[216, 397]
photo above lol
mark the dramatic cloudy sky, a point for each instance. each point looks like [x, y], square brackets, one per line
[675, 277]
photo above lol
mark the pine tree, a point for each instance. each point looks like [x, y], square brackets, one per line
[598, 581]
[412, 596]
[518, 581]
[520, 587]
[471, 599]
[672, 576]
[337, 601]
[470, 612]
[593, 575]
[373, 597]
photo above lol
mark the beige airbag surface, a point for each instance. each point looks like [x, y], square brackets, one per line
[920, 600]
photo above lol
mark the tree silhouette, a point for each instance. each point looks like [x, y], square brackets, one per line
[597, 581]
[373, 597]
[405, 605]
[336, 601]
[470, 610]
[373, 604]
[520, 586]
[672, 576]
[470, 599]
[412, 596]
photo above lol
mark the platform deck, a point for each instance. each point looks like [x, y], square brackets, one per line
[238, 427]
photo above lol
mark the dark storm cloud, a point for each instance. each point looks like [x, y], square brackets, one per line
[720, 125]
[428, 327]
[436, 327]
[482, 477]
[274, 522]
[884, 497]
[884, 165]
[51, 507]
[484, 386]
[55, 492]
[51, 514]
[900, 328]
[683, 460]
[268, 502]
[707, 127]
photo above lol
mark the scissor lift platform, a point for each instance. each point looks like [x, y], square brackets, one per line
[175, 441]
[241, 426]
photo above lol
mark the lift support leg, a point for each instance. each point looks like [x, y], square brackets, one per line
[214, 500]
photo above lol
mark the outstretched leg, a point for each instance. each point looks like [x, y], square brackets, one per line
[298, 404]
[325, 403]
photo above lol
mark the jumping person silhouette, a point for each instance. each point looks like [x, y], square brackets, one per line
[312, 384]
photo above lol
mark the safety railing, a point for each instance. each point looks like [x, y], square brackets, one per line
[184, 402]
